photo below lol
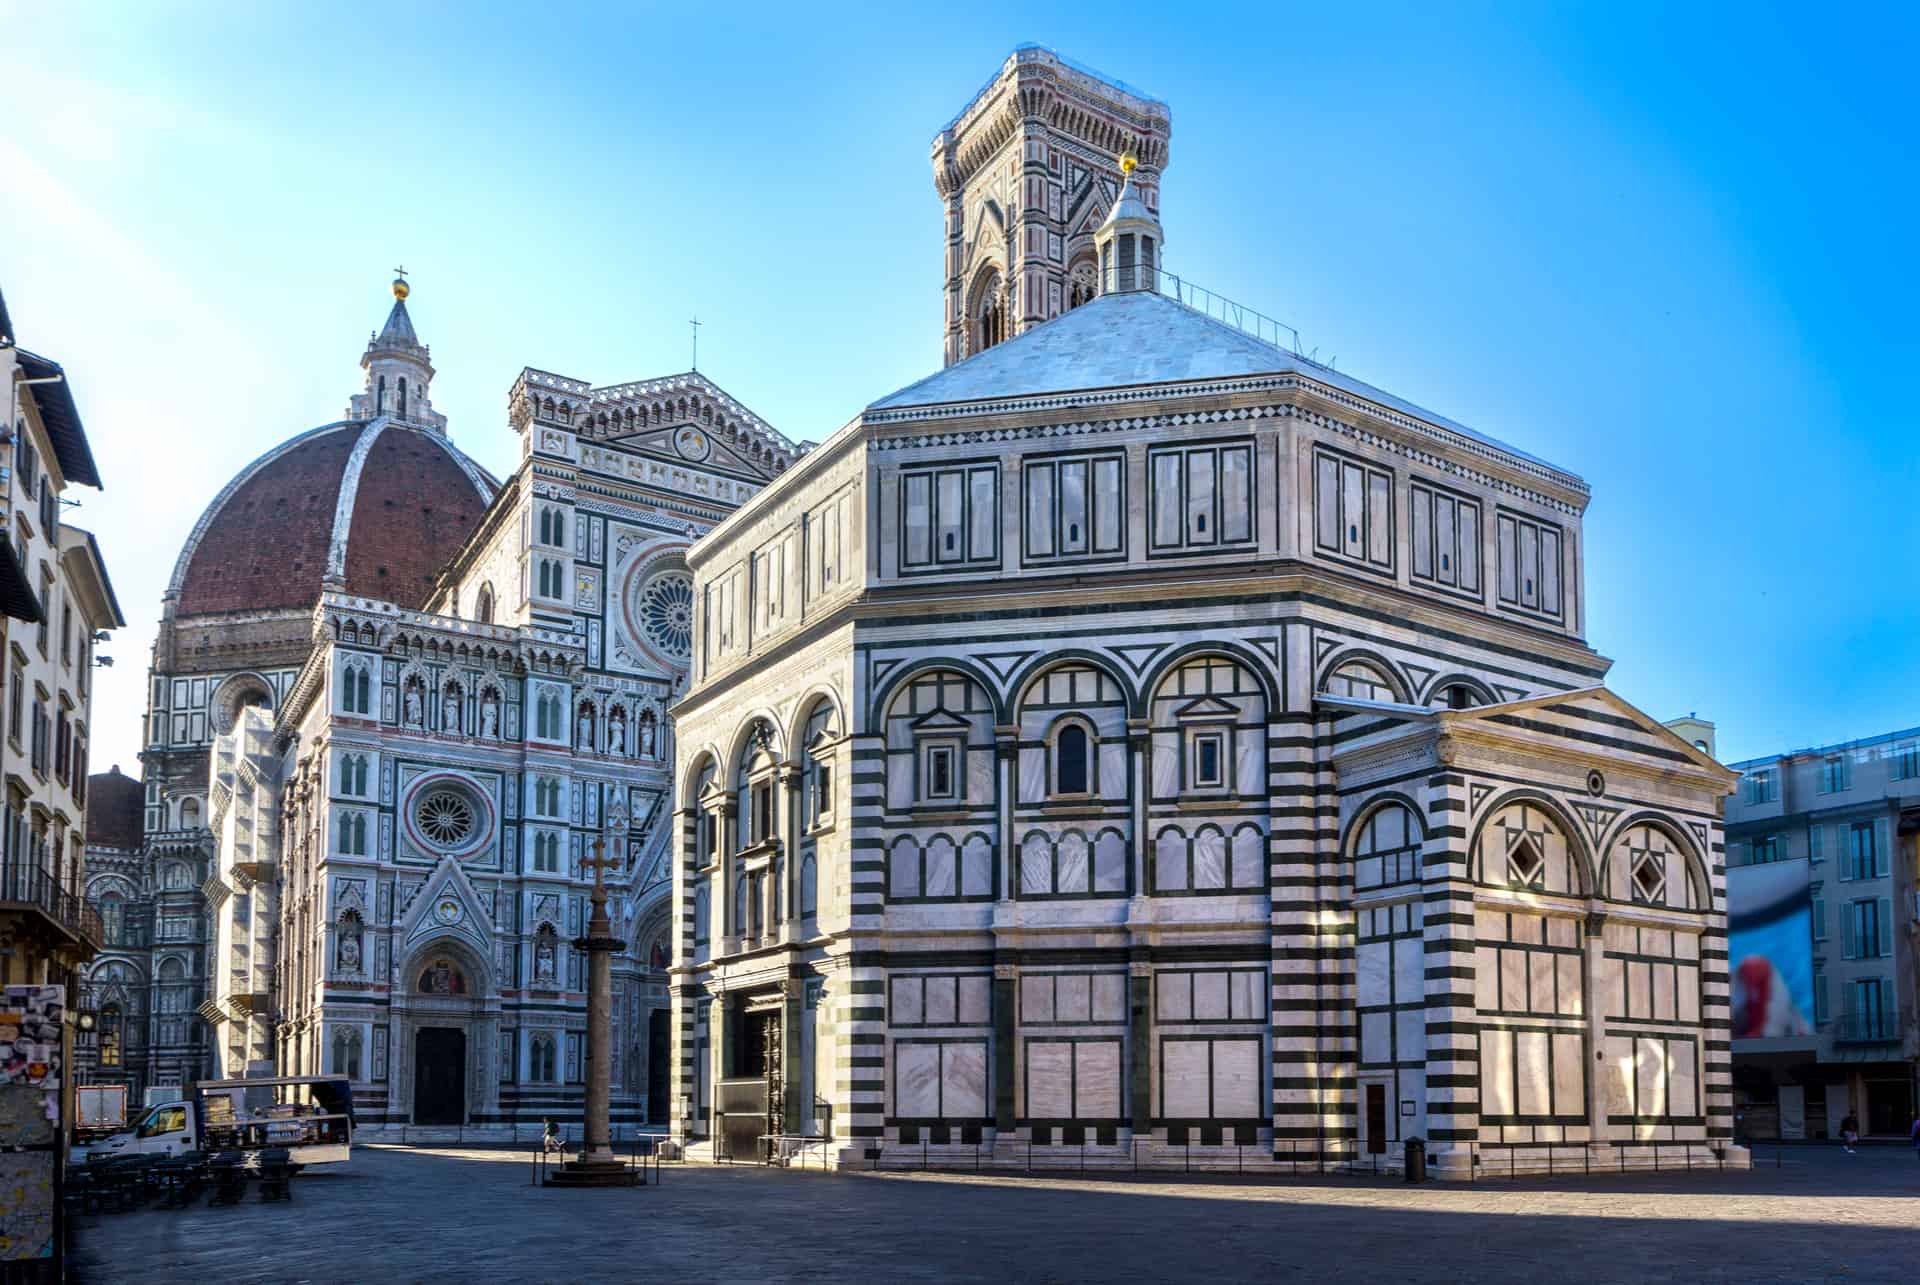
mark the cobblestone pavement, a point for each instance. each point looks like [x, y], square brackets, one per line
[470, 1216]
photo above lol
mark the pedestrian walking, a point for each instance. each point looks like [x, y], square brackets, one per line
[1850, 1133]
[1914, 1133]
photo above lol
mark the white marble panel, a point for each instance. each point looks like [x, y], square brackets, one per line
[1376, 1034]
[903, 868]
[1170, 860]
[1496, 1073]
[940, 1000]
[1036, 865]
[1489, 925]
[964, 1080]
[975, 999]
[1569, 1090]
[1109, 997]
[1247, 996]
[1110, 862]
[1033, 775]
[916, 1079]
[1173, 997]
[900, 780]
[1540, 978]
[1183, 1066]
[939, 867]
[1535, 1076]
[1249, 858]
[1113, 768]
[1560, 932]
[1036, 999]
[907, 1006]
[1409, 971]
[1639, 986]
[1513, 979]
[1374, 964]
[1486, 978]
[1072, 874]
[1684, 1084]
[1210, 997]
[1166, 764]
[1609, 997]
[1410, 1030]
[1688, 1009]
[1236, 1079]
[1616, 1075]
[980, 777]
[1663, 992]
[1096, 1077]
[1649, 1077]
[1250, 761]
[1049, 1080]
[1686, 946]
[1073, 998]
[976, 868]
[1568, 967]
[1209, 859]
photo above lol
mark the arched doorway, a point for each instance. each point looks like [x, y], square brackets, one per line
[443, 1032]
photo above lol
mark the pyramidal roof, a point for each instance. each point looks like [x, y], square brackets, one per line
[1125, 339]
[398, 332]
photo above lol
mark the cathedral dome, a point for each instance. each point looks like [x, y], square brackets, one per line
[370, 507]
[115, 810]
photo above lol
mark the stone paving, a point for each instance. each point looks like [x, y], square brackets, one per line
[470, 1215]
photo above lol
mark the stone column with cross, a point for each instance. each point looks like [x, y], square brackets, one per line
[597, 1165]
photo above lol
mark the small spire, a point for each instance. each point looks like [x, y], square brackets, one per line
[400, 290]
[1130, 240]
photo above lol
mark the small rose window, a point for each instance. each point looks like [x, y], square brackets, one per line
[445, 817]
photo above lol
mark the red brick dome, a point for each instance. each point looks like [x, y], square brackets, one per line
[115, 810]
[375, 508]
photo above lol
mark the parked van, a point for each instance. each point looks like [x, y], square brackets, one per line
[311, 1116]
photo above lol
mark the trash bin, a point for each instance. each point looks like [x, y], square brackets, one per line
[1416, 1159]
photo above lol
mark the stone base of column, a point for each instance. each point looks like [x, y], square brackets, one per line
[593, 1171]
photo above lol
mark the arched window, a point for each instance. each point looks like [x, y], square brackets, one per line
[1387, 848]
[1072, 759]
[541, 1060]
[993, 321]
[809, 886]
[546, 852]
[380, 397]
[1083, 283]
[190, 814]
[754, 784]
[346, 1052]
[353, 834]
[110, 1035]
[353, 774]
[1361, 681]
[483, 605]
[700, 916]
[547, 716]
[403, 397]
[113, 911]
[816, 777]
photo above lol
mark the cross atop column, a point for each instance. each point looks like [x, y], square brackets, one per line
[599, 863]
[695, 323]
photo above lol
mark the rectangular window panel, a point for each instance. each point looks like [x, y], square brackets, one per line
[1549, 572]
[1236, 494]
[1353, 510]
[1202, 526]
[1470, 547]
[1531, 572]
[983, 510]
[1074, 535]
[1420, 520]
[1109, 521]
[1509, 559]
[1040, 510]
[1326, 503]
[1379, 519]
[1529, 565]
[1167, 501]
[949, 510]
[1446, 567]
[919, 505]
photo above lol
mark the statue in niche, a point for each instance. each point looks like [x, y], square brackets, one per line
[543, 957]
[412, 711]
[347, 956]
[617, 731]
[490, 714]
[452, 706]
[646, 732]
[584, 739]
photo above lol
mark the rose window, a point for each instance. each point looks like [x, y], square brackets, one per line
[445, 817]
[666, 613]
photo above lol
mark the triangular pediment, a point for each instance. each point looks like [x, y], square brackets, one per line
[650, 416]
[1206, 707]
[940, 720]
[448, 906]
[1598, 717]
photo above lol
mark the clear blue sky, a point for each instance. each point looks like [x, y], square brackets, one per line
[1670, 247]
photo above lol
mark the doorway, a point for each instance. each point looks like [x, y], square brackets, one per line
[440, 1075]
[659, 1088]
[1376, 1119]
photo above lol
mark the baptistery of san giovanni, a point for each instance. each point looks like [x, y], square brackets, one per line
[1138, 737]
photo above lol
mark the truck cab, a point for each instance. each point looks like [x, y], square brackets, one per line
[164, 1130]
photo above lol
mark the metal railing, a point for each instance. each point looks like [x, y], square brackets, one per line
[1135, 277]
[40, 887]
[1884, 1025]
[641, 1153]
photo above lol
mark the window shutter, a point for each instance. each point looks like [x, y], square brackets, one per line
[1816, 850]
[1849, 922]
[1819, 998]
[1843, 850]
[1886, 927]
[1881, 849]
[1819, 918]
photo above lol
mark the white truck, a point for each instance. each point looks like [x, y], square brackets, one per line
[99, 1109]
[309, 1115]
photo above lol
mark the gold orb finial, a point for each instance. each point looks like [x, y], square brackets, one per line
[1127, 162]
[400, 284]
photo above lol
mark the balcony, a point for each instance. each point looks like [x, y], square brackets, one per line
[1872, 1026]
[32, 887]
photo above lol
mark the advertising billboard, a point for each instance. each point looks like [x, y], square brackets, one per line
[1770, 948]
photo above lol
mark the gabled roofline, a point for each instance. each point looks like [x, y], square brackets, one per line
[60, 416]
[86, 552]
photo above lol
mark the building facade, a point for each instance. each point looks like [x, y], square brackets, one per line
[392, 722]
[1138, 737]
[56, 604]
[1852, 812]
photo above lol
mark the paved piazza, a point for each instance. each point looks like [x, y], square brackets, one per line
[470, 1215]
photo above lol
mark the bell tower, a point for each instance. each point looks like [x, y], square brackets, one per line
[398, 370]
[1028, 172]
